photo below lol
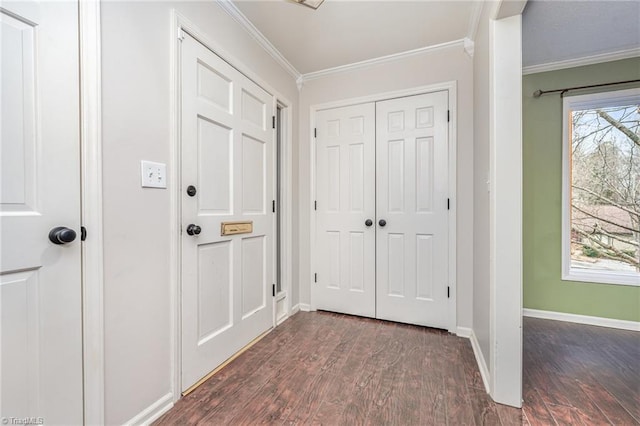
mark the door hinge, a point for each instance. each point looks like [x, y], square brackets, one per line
[273, 206]
[448, 204]
[315, 132]
[83, 233]
[315, 277]
[273, 290]
[315, 205]
[448, 292]
[273, 121]
[448, 116]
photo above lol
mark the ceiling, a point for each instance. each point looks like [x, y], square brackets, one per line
[343, 32]
[559, 30]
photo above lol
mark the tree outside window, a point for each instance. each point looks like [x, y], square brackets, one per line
[602, 188]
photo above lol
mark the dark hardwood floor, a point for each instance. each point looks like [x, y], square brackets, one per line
[331, 369]
[580, 375]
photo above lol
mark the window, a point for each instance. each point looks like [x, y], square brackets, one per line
[601, 188]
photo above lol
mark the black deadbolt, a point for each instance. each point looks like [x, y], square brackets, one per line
[368, 222]
[62, 235]
[191, 190]
[193, 229]
[382, 222]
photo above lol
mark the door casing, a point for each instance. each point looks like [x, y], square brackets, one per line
[451, 88]
[181, 24]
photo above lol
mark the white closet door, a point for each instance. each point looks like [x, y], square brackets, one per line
[345, 191]
[227, 156]
[40, 282]
[412, 191]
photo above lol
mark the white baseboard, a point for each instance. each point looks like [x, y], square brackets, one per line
[463, 332]
[482, 364]
[304, 307]
[152, 412]
[582, 319]
[295, 309]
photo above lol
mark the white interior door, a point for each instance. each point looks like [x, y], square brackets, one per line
[412, 190]
[40, 282]
[345, 200]
[227, 155]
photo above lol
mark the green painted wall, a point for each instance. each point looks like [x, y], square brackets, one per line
[542, 196]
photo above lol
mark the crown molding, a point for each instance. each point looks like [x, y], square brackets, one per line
[382, 59]
[587, 60]
[238, 16]
[469, 46]
[474, 19]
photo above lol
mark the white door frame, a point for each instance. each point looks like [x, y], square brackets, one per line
[451, 87]
[180, 24]
[91, 205]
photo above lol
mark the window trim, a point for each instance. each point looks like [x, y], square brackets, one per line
[569, 103]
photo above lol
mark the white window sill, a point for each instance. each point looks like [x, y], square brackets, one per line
[601, 277]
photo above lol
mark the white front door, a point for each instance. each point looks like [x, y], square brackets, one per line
[345, 210]
[386, 162]
[40, 282]
[412, 190]
[227, 157]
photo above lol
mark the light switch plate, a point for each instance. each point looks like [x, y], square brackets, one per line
[154, 175]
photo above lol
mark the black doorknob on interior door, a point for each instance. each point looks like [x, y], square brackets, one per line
[382, 222]
[193, 229]
[62, 235]
[368, 222]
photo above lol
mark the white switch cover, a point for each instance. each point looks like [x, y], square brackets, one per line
[154, 175]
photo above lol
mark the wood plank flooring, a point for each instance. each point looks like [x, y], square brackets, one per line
[331, 369]
[580, 375]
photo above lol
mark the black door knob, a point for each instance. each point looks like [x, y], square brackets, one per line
[368, 222]
[193, 229]
[62, 235]
[191, 190]
[382, 222]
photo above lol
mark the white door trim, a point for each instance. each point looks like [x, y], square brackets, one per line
[451, 87]
[286, 209]
[180, 23]
[91, 205]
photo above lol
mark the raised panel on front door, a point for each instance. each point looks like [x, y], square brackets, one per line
[253, 175]
[215, 87]
[254, 110]
[215, 289]
[215, 169]
[253, 275]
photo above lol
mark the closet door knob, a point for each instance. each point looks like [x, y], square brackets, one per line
[368, 222]
[62, 235]
[382, 223]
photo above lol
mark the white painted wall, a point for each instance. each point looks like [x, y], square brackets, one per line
[481, 259]
[136, 125]
[428, 68]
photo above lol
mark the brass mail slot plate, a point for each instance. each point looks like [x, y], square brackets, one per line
[232, 228]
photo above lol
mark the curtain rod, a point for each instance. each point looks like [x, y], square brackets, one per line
[539, 92]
